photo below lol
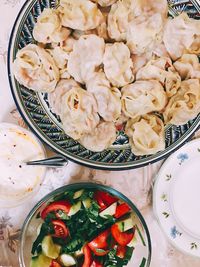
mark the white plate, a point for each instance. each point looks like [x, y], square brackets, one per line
[19, 181]
[177, 198]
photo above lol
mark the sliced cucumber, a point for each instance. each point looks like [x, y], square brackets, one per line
[50, 249]
[38, 229]
[74, 208]
[109, 211]
[40, 261]
[138, 227]
[77, 194]
[79, 252]
[133, 242]
[125, 225]
[67, 260]
[137, 239]
[87, 203]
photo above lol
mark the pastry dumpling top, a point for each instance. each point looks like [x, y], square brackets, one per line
[146, 135]
[143, 97]
[162, 70]
[141, 7]
[185, 105]
[188, 66]
[182, 35]
[118, 64]
[139, 61]
[78, 112]
[100, 138]
[35, 68]
[104, 3]
[80, 14]
[55, 97]
[48, 28]
[87, 55]
[107, 97]
[118, 20]
[144, 33]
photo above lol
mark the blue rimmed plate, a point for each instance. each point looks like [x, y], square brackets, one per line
[34, 107]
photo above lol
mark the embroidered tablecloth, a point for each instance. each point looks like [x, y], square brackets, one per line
[135, 184]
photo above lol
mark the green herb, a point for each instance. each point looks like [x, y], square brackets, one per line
[129, 253]
[45, 230]
[143, 263]
[73, 245]
[85, 195]
[122, 226]
[112, 260]
[63, 215]
[50, 216]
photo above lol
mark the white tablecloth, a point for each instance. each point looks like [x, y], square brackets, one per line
[135, 184]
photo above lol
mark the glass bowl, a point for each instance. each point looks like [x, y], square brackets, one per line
[142, 251]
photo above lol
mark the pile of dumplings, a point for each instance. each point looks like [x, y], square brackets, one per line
[115, 64]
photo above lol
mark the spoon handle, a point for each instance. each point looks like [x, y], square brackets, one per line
[57, 161]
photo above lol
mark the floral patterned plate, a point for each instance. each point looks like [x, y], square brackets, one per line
[35, 110]
[177, 197]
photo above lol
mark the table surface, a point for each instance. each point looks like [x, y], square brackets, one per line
[135, 184]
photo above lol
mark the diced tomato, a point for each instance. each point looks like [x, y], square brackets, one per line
[100, 201]
[87, 256]
[55, 264]
[60, 229]
[122, 238]
[119, 127]
[96, 263]
[121, 251]
[121, 210]
[104, 199]
[63, 205]
[100, 241]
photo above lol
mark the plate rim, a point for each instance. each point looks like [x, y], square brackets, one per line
[155, 210]
[85, 162]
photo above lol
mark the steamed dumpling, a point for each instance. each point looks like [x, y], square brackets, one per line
[104, 3]
[60, 54]
[55, 97]
[35, 68]
[100, 138]
[60, 57]
[78, 112]
[79, 14]
[146, 135]
[144, 33]
[185, 105]
[48, 27]
[141, 7]
[100, 30]
[118, 20]
[188, 67]
[143, 97]
[162, 70]
[118, 64]
[172, 82]
[87, 55]
[182, 35]
[155, 69]
[107, 97]
[139, 61]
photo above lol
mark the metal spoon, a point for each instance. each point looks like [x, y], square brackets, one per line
[53, 162]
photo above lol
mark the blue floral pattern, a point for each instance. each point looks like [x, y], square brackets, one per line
[174, 232]
[182, 157]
